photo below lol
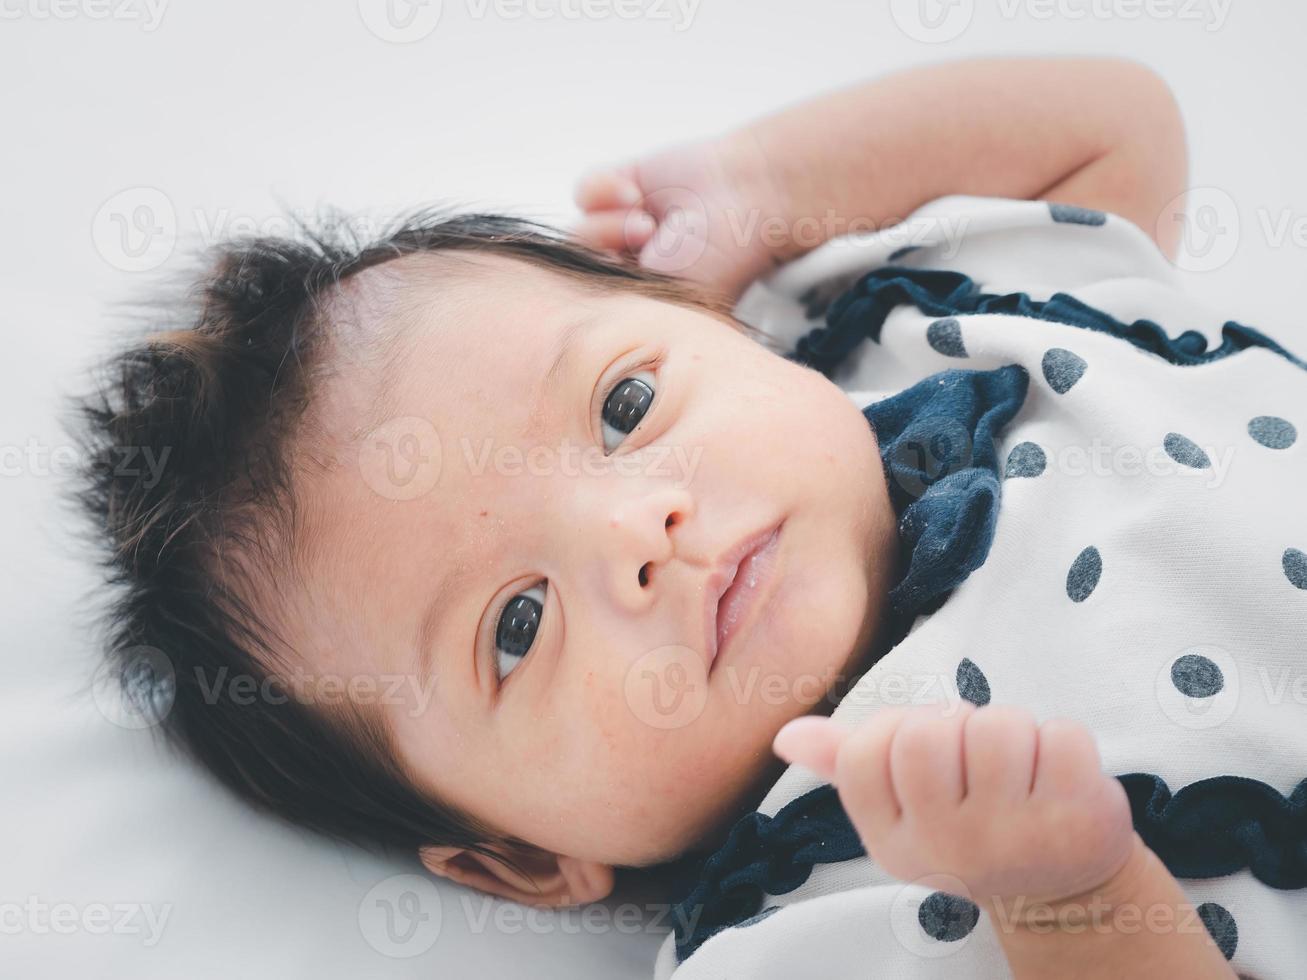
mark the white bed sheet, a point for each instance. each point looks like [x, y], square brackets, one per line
[232, 108]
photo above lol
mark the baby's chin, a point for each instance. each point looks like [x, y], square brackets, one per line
[737, 805]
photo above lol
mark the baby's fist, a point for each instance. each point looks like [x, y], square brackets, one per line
[1006, 805]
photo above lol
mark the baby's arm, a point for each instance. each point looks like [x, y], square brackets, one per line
[1023, 818]
[1096, 132]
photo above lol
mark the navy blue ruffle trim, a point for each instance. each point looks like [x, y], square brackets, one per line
[761, 855]
[1218, 826]
[941, 465]
[1208, 829]
[859, 313]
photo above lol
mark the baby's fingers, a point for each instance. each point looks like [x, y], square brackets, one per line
[615, 231]
[1000, 747]
[862, 772]
[811, 741]
[607, 189]
[927, 761]
[1068, 759]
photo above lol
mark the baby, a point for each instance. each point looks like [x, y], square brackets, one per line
[448, 515]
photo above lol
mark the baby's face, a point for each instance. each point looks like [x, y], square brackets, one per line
[597, 729]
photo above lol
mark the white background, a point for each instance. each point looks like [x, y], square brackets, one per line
[226, 112]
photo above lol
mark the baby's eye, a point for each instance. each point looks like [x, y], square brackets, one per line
[626, 406]
[515, 632]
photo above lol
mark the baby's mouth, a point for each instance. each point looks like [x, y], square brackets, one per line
[738, 605]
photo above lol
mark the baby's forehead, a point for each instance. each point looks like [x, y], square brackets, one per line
[432, 318]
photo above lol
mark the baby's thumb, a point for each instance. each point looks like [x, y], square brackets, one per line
[812, 742]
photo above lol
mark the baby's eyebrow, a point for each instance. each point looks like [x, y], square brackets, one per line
[566, 351]
[433, 618]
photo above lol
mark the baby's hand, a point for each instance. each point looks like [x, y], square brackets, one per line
[1010, 807]
[704, 211]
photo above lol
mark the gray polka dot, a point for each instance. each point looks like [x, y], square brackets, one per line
[1222, 927]
[1070, 214]
[1025, 459]
[1083, 576]
[1185, 451]
[973, 686]
[946, 337]
[1196, 676]
[1272, 431]
[1295, 567]
[1062, 369]
[946, 917]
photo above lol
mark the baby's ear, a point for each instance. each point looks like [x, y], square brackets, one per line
[556, 880]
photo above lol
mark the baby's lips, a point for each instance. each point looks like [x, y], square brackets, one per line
[812, 742]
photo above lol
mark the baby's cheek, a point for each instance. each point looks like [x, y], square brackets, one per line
[601, 711]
